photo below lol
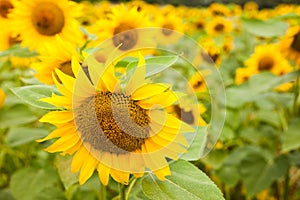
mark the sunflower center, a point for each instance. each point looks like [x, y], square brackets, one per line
[128, 38]
[266, 63]
[167, 29]
[112, 122]
[219, 27]
[48, 19]
[5, 6]
[296, 42]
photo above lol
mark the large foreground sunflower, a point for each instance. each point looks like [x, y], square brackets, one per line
[41, 20]
[115, 127]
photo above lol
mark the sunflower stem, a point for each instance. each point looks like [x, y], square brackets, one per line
[122, 193]
[296, 109]
[130, 188]
[102, 195]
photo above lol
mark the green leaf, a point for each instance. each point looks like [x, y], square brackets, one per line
[154, 64]
[16, 115]
[197, 143]
[28, 183]
[5, 194]
[291, 138]
[20, 135]
[229, 175]
[215, 158]
[186, 182]
[50, 193]
[33, 93]
[259, 173]
[63, 165]
[18, 51]
[267, 28]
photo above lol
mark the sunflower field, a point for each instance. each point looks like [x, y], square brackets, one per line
[135, 100]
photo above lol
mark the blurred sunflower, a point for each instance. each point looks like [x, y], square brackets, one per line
[117, 130]
[268, 58]
[219, 25]
[41, 20]
[7, 37]
[6, 7]
[196, 84]
[57, 55]
[121, 19]
[217, 9]
[243, 74]
[170, 24]
[290, 44]
[2, 98]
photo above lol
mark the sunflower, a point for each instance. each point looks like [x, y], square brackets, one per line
[170, 24]
[189, 112]
[121, 25]
[7, 37]
[243, 74]
[217, 9]
[218, 26]
[6, 7]
[57, 55]
[290, 44]
[268, 58]
[118, 130]
[2, 98]
[196, 84]
[41, 20]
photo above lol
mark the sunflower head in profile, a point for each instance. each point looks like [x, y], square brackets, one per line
[268, 58]
[115, 126]
[41, 20]
[217, 9]
[243, 74]
[290, 44]
[55, 55]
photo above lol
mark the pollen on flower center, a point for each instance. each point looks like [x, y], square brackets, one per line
[128, 39]
[5, 6]
[296, 42]
[48, 19]
[112, 122]
[266, 63]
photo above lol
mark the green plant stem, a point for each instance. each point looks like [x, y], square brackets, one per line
[296, 109]
[130, 187]
[102, 195]
[286, 185]
[122, 192]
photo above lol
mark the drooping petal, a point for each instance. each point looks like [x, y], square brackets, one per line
[119, 176]
[63, 143]
[162, 173]
[79, 158]
[87, 169]
[66, 129]
[103, 173]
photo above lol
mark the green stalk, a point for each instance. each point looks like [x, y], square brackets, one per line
[296, 109]
[102, 195]
[122, 192]
[286, 185]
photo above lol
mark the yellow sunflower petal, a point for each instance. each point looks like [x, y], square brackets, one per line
[66, 129]
[58, 101]
[109, 78]
[72, 149]
[87, 169]
[164, 99]
[67, 80]
[119, 176]
[75, 65]
[149, 90]
[79, 158]
[103, 173]
[57, 117]
[64, 91]
[138, 77]
[161, 173]
[63, 143]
